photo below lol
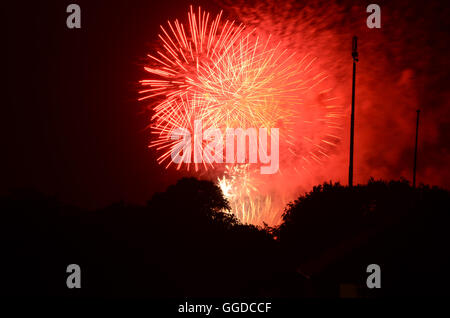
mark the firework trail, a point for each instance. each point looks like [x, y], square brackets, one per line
[230, 76]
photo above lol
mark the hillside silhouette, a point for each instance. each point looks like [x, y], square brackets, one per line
[184, 242]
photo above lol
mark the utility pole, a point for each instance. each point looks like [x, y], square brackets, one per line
[352, 120]
[415, 149]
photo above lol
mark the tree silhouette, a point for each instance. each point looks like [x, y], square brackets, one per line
[184, 242]
[334, 232]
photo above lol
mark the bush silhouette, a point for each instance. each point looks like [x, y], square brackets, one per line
[333, 232]
[184, 242]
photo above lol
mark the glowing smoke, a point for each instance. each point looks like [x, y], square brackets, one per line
[403, 67]
[392, 82]
[229, 77]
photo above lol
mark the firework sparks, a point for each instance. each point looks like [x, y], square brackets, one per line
[240, 186]
[219, 72]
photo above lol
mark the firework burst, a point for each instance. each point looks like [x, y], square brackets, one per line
[240, 186]
[219, 72]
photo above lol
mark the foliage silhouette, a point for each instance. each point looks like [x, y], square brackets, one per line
[333, 232]
[184, 242]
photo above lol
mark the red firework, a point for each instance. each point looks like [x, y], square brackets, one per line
[226, 76]
[229, 77]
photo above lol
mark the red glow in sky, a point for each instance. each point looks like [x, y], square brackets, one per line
[232, 76]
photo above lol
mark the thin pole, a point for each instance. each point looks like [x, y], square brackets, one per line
[415, 149]
[352, 120]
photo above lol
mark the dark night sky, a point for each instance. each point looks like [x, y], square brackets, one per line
[71, 122]
[73, 125]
